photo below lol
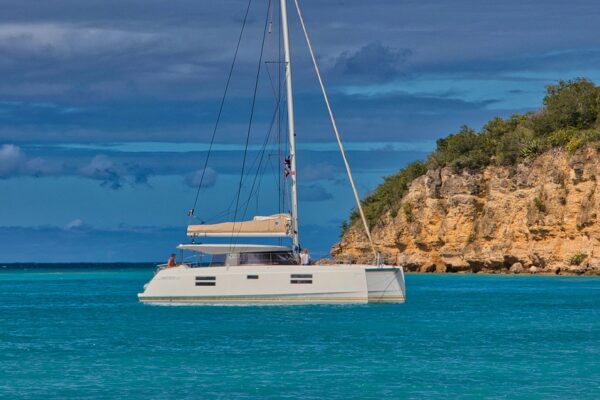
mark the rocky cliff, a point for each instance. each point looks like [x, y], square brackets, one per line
[539, 216]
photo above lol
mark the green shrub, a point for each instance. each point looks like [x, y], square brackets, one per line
[581, 139]
[539, 204]
[561, 137]
[574, 144]
[577, 259]
[569, 118]
[345, 227]
[389, 194]
[510, 146]
[407, 208]
[532, 148]
[573, 103]
[464, 149]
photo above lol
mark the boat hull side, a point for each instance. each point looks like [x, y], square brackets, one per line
[386, 285]
[258, 285]
[286, 300]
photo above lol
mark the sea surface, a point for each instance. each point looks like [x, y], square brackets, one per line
[79, 332]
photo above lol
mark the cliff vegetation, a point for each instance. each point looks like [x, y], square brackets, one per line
[496, 198]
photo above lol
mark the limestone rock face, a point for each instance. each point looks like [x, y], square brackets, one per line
[517, 268]
[542, 214]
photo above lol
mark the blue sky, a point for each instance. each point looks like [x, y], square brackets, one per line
[106, 110]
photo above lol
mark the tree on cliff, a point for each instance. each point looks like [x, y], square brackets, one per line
[569, 104]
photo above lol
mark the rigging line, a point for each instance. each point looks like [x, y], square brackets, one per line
[227, 210]
[212, 140]
[280, 182]
[275, 122]
[272, 83]
[284, 147]
[262, 47]
[261, 154]
[337, 134]
[279, 158]
[274, 171]
[260, 167]
[279, 117]
[258, 156]
[260, 164]
[258, 159]
[260, 180]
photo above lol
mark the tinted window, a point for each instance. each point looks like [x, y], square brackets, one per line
[276, 258]
[255, 258]
[217, 260]
[284, 258]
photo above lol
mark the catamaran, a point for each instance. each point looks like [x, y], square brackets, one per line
[273, 274]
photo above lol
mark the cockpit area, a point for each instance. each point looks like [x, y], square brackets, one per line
[230, 255]
[259, 258]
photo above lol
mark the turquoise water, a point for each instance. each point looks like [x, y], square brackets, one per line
[82, 333]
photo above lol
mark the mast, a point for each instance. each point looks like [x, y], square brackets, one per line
[291, 129]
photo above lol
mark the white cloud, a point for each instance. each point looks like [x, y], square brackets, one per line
[194, 179]
[51, 39]
[314, 193]
[113, 174]
[15, 162]
[77, 223]
[11, 160]
[318, 171]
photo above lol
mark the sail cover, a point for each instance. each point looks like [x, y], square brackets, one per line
[268, 226]
[233, 248]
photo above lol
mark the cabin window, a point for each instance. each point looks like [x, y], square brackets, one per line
[267, 258]
[302, 276]
[254, 258]
[217, 260]
[299, 279]
[283, 258]
[252, 276]
[206, 281]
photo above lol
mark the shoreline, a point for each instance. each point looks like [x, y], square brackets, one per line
[408, 269]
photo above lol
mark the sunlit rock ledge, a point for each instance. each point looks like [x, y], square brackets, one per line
[540, 216]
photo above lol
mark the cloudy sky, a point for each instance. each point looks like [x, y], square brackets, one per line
[107, 107]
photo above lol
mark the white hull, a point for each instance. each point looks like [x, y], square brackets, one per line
[276, 284]
[386, 284]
